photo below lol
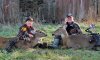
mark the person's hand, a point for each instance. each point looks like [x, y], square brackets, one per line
[33, 31]
[30, 35]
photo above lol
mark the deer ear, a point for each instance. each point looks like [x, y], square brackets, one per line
[37, 30]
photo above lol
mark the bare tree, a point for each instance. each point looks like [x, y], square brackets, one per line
[14, 11]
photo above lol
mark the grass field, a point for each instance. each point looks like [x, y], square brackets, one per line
[46, 54]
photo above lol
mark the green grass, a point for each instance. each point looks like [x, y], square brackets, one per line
[46, 54]
[56, 54]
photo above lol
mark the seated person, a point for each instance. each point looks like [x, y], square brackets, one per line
[26, 32]
[71, 26]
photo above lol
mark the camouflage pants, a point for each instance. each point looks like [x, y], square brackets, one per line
[11, 44]
[57, 41]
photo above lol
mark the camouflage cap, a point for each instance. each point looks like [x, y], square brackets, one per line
[29, 19]
[68, 15]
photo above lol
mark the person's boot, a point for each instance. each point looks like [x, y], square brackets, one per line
[8, 49]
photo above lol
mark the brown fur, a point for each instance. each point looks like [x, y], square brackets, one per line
[21, 43]
[61, 31]
[3, 41]
[34, 41]
[74, 41]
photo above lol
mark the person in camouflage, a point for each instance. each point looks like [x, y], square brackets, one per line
[26, 32]
[71, 26]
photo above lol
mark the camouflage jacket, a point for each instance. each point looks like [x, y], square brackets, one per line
[24, 31]
[73, 28]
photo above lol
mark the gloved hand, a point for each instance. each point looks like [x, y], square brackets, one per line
[30, 35]
[33, 32]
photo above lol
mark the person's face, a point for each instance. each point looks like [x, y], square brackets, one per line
[29, 23]
[69, 19]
